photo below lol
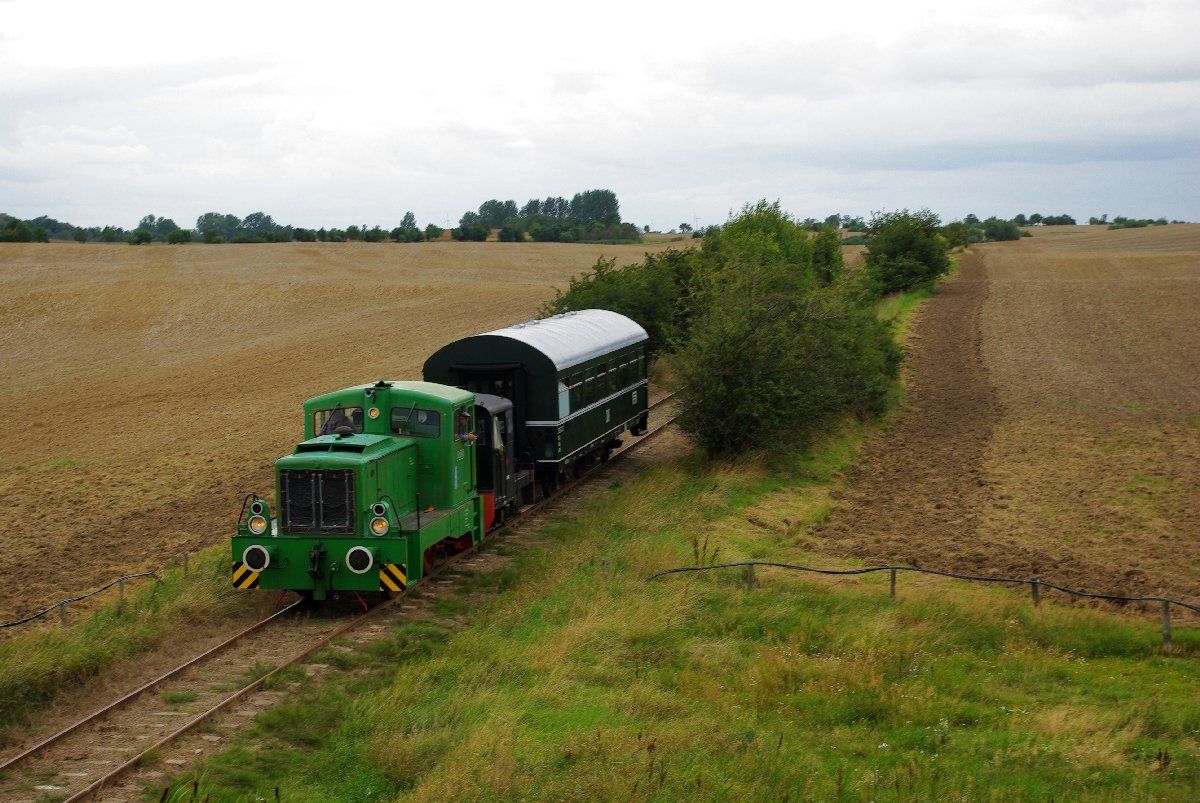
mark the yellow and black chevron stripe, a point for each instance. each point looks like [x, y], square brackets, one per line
[392, 577]
[243, 577]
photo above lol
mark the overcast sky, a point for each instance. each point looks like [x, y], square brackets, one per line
[340, 113]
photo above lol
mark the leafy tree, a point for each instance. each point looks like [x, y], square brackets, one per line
[305, 235]
[531, 209]
[164, 227]
[433, 232]
[16, 231]
[595, 205]
[646, 229]
[409, 221]
[685, 227]
[493, 213]
[1058, 220]
[996, 229]
[337, 236]
[971, 220]
[511, 234]
[957, 234]
[833, 221]
[475, 233]
[827, 260]
[179, 236]
[140, 236]
[1020, 219]
[81, 235]
[374, 235]
[905, 250]
[109, 234]
[557, 207]
[353, 233]
[1098, 221]
[1035, 219]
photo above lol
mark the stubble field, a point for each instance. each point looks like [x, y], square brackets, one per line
[147, 389]
[1051, 422]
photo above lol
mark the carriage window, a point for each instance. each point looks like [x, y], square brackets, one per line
[416, 421]
[564, 400]
[576, 383]
[326, 422]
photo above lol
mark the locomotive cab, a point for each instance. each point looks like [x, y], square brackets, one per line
[382, 485]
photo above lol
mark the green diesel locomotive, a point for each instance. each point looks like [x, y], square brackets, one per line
[393, 477]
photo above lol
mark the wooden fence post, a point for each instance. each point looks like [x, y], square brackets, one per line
[62, 614]
[893, 583]
[185, 563]
[750, 577]
[1035, 587]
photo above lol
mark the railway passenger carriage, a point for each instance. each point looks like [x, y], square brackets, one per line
[576, 380]
[395, 476]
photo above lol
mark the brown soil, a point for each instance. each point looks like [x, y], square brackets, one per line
[147, 389]
[1051, 421]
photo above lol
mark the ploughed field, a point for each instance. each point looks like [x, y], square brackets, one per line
[147, 389]
[1051, 421]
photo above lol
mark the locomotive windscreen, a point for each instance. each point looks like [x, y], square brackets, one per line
[317, 501]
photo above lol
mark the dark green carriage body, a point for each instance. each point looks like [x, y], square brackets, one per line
[576, 380]
[417, 475]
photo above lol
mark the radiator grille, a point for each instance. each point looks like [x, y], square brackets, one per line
[317, 501]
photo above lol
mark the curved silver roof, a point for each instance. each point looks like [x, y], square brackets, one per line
[570, 338]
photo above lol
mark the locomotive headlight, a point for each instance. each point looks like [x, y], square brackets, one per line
[256, 558]
[257, 524]
[257, 508]
[359, 559]
[380, 526]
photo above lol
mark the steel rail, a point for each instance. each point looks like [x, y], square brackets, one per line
[113, 774]
[92, 717]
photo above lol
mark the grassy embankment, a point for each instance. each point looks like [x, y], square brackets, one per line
[582, 680]
[47, 660]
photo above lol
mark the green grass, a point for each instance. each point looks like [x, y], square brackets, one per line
[178, 697]
[579, 679]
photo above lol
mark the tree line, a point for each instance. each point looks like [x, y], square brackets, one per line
[590, 216]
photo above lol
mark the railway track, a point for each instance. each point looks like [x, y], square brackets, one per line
[92, 753]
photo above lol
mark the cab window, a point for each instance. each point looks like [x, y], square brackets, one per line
[326, 422]
[416, 422]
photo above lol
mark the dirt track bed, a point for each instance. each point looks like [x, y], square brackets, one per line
[1052, 420]
[146, 389]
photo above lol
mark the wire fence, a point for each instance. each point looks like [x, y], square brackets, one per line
[1036, 584]
[61, 605]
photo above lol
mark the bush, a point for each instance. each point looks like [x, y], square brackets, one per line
[773, 358]
[139, 236]
[472, 233]
[305, 235]
[374, 235]
[957, 234]
[404, 234]
[433, 232]
[828, 264]
[1001, 230]
[654, 292]
[905, 251]
[179, 236]
[511, 234]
